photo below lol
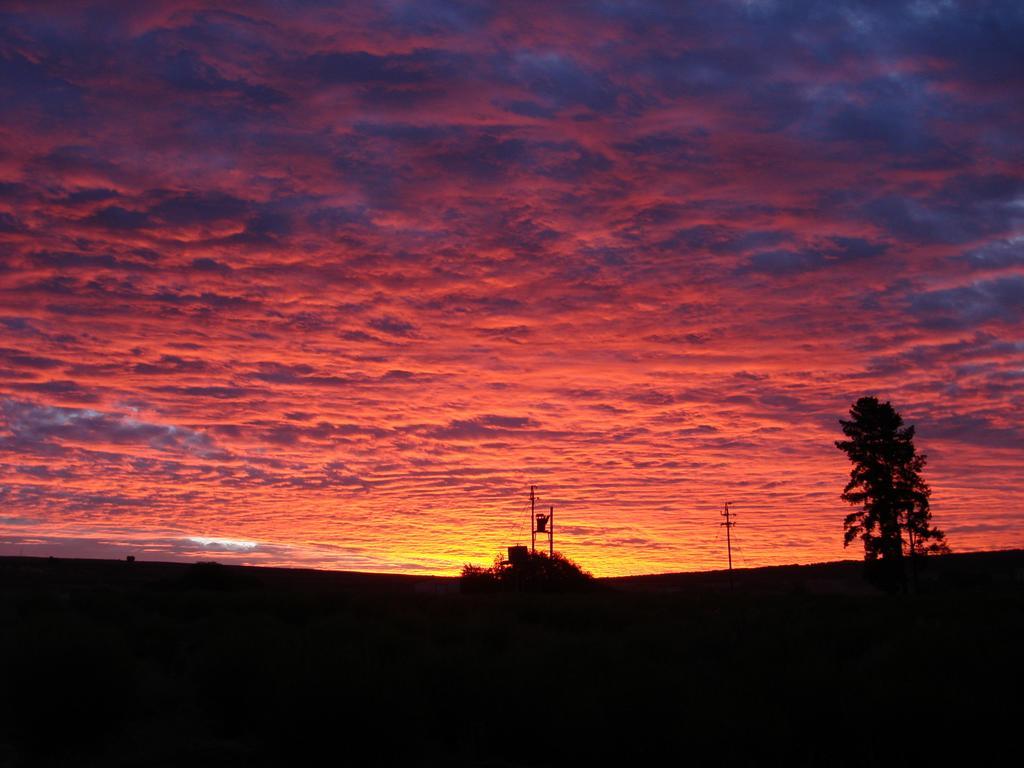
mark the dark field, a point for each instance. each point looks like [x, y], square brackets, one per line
[114, 663]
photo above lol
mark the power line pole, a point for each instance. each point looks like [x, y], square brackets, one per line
[729, 523]
[533, 520]
[913, 563]
[551, 532]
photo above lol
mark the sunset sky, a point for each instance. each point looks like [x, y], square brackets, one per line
[299, 283]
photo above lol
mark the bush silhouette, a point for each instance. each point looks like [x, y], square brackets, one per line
[535, 572]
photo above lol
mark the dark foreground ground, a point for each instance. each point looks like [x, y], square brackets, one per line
[115, 663]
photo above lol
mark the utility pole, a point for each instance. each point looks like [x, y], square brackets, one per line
[551, 532]
[729, 523]
[533, 520]
[913, 562]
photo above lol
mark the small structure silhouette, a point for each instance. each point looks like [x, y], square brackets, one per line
[517, 554]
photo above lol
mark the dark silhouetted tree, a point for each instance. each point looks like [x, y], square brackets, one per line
[535, 573]
[893, 519]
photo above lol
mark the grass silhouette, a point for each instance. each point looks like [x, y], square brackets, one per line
[117, 664]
